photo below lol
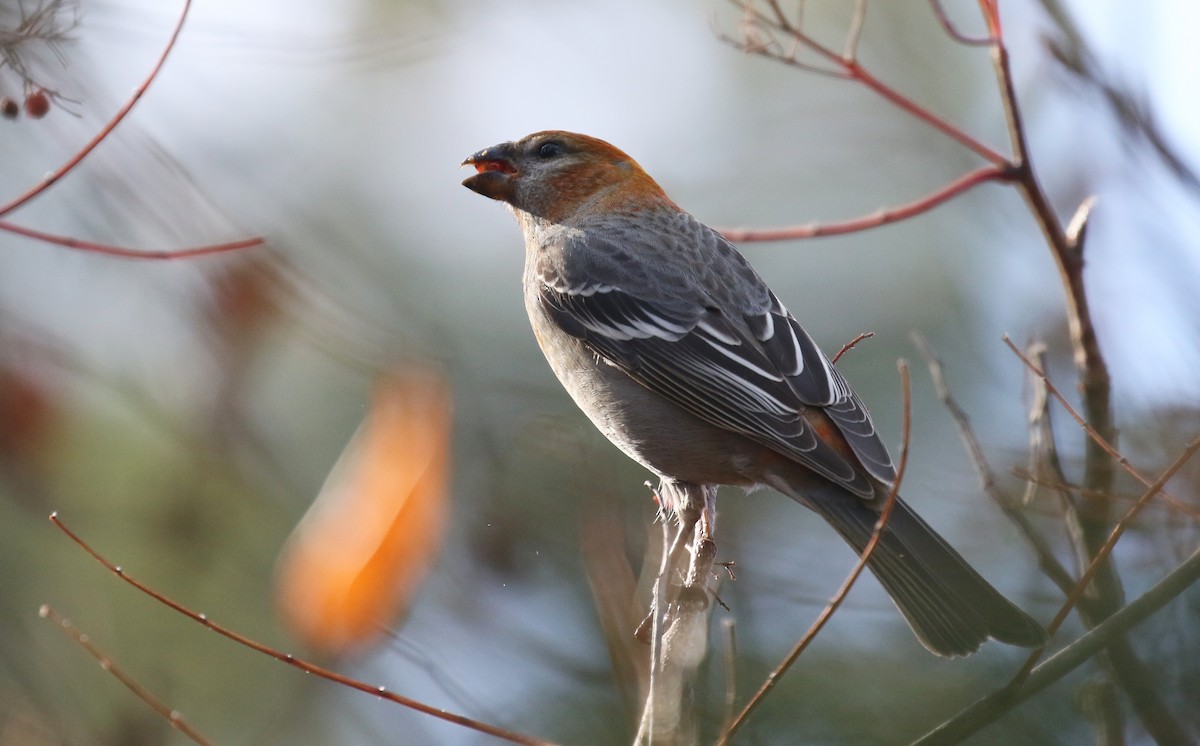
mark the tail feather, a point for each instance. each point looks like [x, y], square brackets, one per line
[949, 606]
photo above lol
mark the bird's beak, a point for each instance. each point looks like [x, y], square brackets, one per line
[495, 174]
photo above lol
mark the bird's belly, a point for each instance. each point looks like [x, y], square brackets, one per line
[647, 427]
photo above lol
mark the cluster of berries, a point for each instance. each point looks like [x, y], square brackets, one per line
[37, 104]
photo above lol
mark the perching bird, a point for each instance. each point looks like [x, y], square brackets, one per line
[683, 357]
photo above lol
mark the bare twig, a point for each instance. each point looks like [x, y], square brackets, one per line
[1066, 246]
[1107, 447]
[1128, 670]
[851, 345]
[952, 31]
[874, 220]
[48, 24]
[850, 68]
[1074, 54]
[1048, 563]
[1109, 543]
[991, 707]
[836, 601]
[1171, 503]
[680, 616]
[173, 717]
[1095, 383]
[54, 176]
[305, 666]
[94, 247]
[729, 633]
[83, 152]
[855, 32]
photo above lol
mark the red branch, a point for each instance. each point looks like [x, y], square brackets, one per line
[875, 219]
[62, 170]
[54, 176]
[291, 660]
[836, 601]
[127, 253]
[172, 716]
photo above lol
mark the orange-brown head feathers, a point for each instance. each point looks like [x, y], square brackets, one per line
[557, 176]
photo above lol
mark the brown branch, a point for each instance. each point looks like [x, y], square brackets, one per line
[1095, 383]
[1066, 246]
[991, 16]
[994, 705]
[875, 219]
[857, 22]
[1073, 53]
[1048, 563]
[1172, 503]
[1128, 670]
[952, 31]
[851, 345]
[94, 247]
[1107, 447]
[850, 68]
[836, 601]
[303, 665]
[172, 717]
[1106, 549]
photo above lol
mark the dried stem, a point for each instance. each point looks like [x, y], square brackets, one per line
[851, 345]
[1048, 563]
[305, 666]
[836, 601]
[1128, 670]
[94, 247]
[104, 132]
[850, 68]
[885, 216]
[1095, 504]
[53, 177]
[991, 707]
[1077, 593]
[952, 31]
[855, 33]
[172, 717]
[1107, 447]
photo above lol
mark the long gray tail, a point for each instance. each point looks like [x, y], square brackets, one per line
[949, 606]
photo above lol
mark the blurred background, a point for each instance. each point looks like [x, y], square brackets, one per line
[183, 415]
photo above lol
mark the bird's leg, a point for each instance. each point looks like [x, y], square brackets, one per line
[690, 513]
[704, 546]
[695, 516]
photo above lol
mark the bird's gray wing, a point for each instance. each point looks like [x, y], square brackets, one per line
[754, 375]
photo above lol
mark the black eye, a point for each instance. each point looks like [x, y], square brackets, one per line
[551, 149]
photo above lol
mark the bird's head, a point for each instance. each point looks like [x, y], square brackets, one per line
[559, 175]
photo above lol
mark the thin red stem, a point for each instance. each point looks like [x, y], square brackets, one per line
[74, 161]
[876, 219]
[173, 717]
[295, 662]
[836, 601]
[127, 253]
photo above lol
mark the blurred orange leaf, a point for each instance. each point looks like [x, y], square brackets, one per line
[357, 558]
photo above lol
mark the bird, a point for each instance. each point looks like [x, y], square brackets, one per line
[681, 355]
